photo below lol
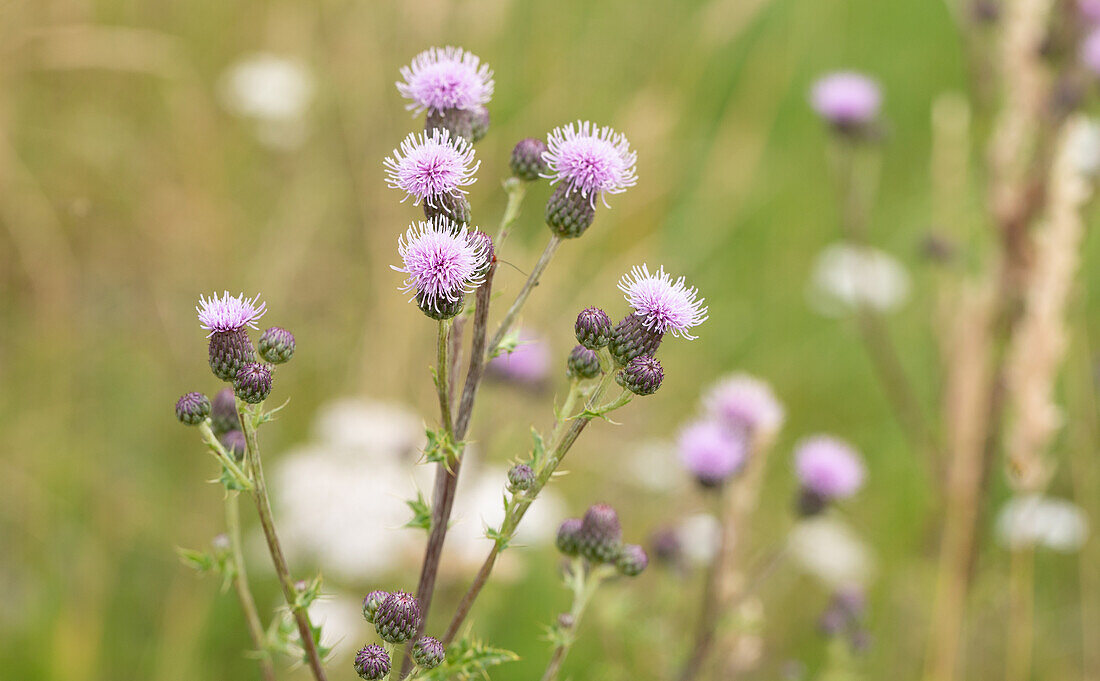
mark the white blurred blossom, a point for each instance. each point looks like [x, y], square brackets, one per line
[831, 551]
[378, 429]
[1085, 147]
[275, 92]
[654, 466]
[846, 277]
[340, 616]
[1035, 520]
[700, 536]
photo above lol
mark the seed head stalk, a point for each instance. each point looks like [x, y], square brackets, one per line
[240, 584]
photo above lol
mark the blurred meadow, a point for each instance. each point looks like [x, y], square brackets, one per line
[128, 187]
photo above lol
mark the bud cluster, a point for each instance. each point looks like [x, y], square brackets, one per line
[396, 618]
[598, 538]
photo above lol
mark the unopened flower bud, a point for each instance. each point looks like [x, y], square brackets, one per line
[277, 345]
[372, 662]
[520, 477]
[479, 123]
[223, 412]
[630, 338]
[632, 560]
[593, 328]
[642, 375]
[566, 620]
[527, 162]
[441, 308]
[229, 352]
[398, 617]
[483, 242]
[428, 652]
[600, 537]
[234, 443]
[569, 213]
[568, 536]
[470, 124]
[455, 207]
[371, 603]
[253, 383]
[583, 363]
[193, 408]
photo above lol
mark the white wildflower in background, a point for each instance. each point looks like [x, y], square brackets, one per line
[700, 536]
[847, 277]
[1035, 520]
[379, 430]
[1084, 147]
[831, 551]
[275, 92]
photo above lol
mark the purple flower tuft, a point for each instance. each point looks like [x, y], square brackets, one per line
[228, 313]
[429, 166]
[712, 452]
[664, 305]
[1090, 52]
[443, 262]
[746, 402]
[1090, 10]
[846, 99]
[828, 467]
[591, 160]
[446, 78]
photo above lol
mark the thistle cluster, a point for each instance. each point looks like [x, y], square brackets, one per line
[598, 539]
[397, 619]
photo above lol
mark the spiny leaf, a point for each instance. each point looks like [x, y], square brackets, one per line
[422, 513]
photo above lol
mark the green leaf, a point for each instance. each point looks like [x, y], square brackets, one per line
[422, 513]
[199, 561]
[468, 658]
[538, 450]
[440, 448]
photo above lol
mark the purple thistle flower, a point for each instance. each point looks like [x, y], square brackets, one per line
[712, 452]
[846, 99]
[429, 166]
[527, 364]
[590, 159]
[746, 402]
[828, 467]
[1090, 10]
[1090, 52]
[442, 260]
[229, 313]
[664, 305]
[442, 78]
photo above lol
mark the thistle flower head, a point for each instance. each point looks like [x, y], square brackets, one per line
[642, 375]
[277, 345]
[527, 163]
[430, 165]
[235, 444]
[428, 652]
[632, 560]
[600, 537]
[446, 78]
[223, 412]
[664, 305]
[846, 99]
[398, 617]
[371, 602]
[229, 313]
[583, 363]
[372, 662]
[193, 408]
[442, 261]
[712, 452]
[568, 534]
[593, 328]
[591, 160]
[253, 382]
[520, 477]
[828, 467]
[743, 401]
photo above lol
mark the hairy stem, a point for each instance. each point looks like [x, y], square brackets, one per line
[267, 522]
[584, 580]
[509, 320]
[240, 584]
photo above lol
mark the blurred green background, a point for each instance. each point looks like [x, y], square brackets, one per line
[127, 189]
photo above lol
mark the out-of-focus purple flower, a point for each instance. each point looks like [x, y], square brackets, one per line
[441, 78]
[1090, 52]
[442, 261]
[591, 160]
[1090, 10]
[846, 99]
[229, 313]
[528, 363]
[429, 167]
[746, 402]
[712, 452]
[664, 305]
[828, 467]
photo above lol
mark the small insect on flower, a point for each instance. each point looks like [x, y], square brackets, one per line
[441, 78]
[663, 305]
[429, 167]
[229, 313]
[591, 160]
[443, 263]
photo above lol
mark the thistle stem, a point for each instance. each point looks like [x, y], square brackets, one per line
[442, 378]
[240, 584]
[223, 457]
[528, 286]
[267, 522]
[584, 580]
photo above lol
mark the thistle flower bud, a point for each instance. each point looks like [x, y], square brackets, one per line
[469, 124]
[593, 328]
[631, 338]
[566, 620]
[642, 375]
[428, 652]
[484, 244]
[253, 383]
[234, 443]
[277, 345]
[193, 408]
[398, 617]
[600, 537]
[371, 602]
[372, 662]
[520, 477]
[479, 123]
[568, 536]
[632, 560]
[583, 363]
[527, 162]
[230, 351]
[442, 308]
[223, 412]
[454, 207]
[569, 213]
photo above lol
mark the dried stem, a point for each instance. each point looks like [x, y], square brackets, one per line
[267, 522]
[240, 584]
